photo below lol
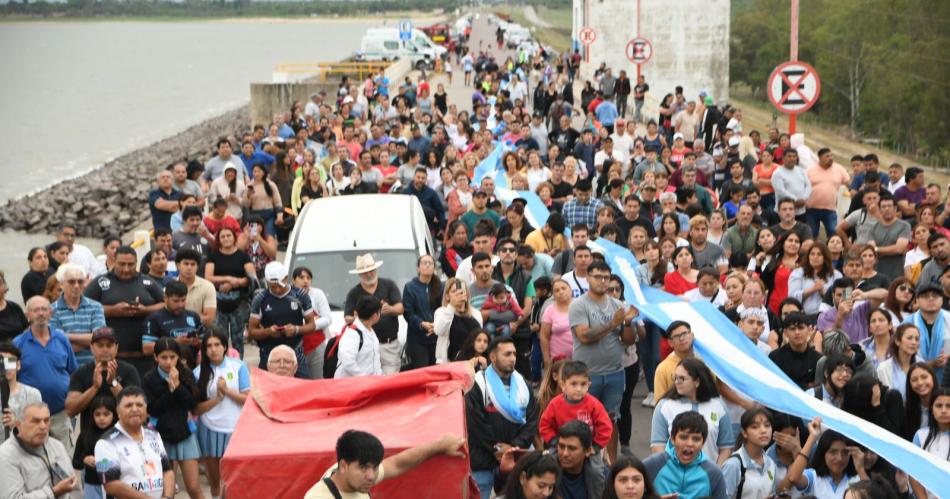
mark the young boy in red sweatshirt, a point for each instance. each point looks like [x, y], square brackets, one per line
[575, 403]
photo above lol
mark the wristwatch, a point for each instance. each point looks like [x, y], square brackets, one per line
[115, 383]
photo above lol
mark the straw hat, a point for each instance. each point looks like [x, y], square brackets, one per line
[366, 263]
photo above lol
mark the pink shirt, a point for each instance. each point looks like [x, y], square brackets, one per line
[562, 342]
[825, 184]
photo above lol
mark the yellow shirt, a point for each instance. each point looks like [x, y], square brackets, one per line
[541, 244]
[663, 378]
[320, 490]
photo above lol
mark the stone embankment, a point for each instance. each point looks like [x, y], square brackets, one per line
[113, 198]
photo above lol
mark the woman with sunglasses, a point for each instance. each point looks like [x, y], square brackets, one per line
[900, 300]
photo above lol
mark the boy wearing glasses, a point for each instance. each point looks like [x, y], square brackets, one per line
[680, 335]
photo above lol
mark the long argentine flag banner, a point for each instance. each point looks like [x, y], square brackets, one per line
[738, 363]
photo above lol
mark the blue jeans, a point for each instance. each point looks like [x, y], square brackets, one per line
[537, 360]
[494, 330]
[768, 202]
[815, 217]
[608, 389]
[649, 351]
[234, 322]
[486, 482]
[270, 220]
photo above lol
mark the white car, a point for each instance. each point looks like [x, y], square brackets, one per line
[331, 232]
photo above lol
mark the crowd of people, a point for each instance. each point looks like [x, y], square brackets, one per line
[122, 373]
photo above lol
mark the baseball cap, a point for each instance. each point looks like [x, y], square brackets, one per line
[103, 333]
[275, 272]
[930, 287]
[733, 141]
[479, 192]
[619, 121]
[678, 135]
[755, 313]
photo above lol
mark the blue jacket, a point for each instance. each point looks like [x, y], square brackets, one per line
[415, 303]
[431, 206]
[256, 158]
[700, 478]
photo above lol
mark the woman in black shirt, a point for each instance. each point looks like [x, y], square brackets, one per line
[229, 268]
[34, 282]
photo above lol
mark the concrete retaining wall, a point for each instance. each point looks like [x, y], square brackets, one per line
[690, 41]
[268, 99]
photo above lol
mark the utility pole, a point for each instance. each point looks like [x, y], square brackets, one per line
[793, 56]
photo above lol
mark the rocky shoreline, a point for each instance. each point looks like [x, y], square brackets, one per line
[113, 198]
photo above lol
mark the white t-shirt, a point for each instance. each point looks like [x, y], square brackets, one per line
[718, 300]
[464, 272]
[940, 447]
[82, 256]
[223, 417]
[140, 465]
[579, 285]
[320, 490]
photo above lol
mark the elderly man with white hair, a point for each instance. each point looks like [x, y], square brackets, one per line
[282, 361]
[31, 463]
[75, 314]
[47, 361]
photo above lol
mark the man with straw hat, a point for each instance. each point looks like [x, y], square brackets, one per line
[386, 291]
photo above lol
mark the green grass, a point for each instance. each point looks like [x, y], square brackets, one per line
[558, 37]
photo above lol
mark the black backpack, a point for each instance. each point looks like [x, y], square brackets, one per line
[741, 475]
[330, 357]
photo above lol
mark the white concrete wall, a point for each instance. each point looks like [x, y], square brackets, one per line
[690, 41]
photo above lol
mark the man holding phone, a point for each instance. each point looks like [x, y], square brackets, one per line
[175, 321]
[851, 307]
[281, 315]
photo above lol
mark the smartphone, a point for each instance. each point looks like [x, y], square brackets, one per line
[518, 453]
[253, 230]
[847, 293]
[9, 364]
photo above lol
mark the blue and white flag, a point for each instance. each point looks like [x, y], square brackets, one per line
[742, 366]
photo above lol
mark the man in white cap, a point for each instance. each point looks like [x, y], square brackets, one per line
[386, 291]
[281, 315]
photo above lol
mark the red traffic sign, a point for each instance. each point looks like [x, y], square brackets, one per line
[587, 35]
[794, 87]
[639, 50]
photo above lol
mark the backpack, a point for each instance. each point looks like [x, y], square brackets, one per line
[741, 475]
[330, 357]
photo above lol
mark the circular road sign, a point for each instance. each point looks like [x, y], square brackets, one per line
[587, 35]
[794, 87]
[639, 50]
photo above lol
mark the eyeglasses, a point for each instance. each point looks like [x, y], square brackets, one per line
[73, 282]
[598, 277]
[844, 370]
[613, 289]
[681, 379]
[507, 249]
[681, 336]
[286, 362]
[905, 288]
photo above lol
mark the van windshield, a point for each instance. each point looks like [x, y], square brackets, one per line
[331, 270]
[423, 43]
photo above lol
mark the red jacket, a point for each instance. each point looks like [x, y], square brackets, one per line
[588, 410]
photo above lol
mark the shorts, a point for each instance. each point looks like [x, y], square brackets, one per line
[212, 443]
[608, 389]
[185, 450]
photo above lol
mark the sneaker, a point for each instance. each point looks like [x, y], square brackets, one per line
[648, 401]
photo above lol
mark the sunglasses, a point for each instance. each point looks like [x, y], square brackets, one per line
[506, 249]
[613, 289]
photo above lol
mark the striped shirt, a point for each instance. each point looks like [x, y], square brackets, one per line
[576, 212]
[88, 317]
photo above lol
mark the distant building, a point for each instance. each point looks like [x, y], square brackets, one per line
[690, 40]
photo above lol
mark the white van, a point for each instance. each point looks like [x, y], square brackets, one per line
[331, 232]
[385, 44]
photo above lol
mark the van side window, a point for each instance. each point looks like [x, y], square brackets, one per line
[390, 45]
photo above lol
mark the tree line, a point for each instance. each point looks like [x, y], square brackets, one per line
[884, 64]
